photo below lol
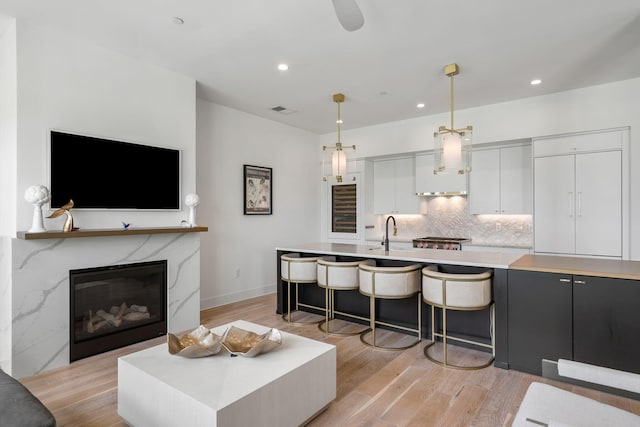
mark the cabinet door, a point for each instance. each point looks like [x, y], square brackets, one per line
[516, 194]
[405, 189]
[539, 319]
[605, 322]
[554, 195]
[484, 182]
[599, 204]
[384, 186]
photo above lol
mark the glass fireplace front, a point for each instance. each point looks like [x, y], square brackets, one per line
[114, 306]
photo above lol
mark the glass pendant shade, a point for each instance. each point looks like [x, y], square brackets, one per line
[339, 163]
[453, 151]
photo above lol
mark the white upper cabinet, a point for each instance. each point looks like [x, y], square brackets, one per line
[500, 181]
[394, 187]
[429, 184]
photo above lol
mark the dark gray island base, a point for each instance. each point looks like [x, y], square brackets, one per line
[547, 307]
[470, 325]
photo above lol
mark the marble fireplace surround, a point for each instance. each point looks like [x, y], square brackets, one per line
[37, 335]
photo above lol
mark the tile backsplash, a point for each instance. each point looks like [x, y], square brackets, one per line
[450, 217]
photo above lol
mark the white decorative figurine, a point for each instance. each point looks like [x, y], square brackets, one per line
[37, 195]
[192, 200]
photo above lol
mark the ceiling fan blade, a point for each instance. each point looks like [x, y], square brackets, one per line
[348, 14]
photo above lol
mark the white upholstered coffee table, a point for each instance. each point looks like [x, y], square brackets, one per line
[285, 387]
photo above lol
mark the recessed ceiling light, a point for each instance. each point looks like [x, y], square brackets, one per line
[420, 105]
[536, 82]
[176, 20]
[283, 67]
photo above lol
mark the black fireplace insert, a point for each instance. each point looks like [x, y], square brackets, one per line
[115, 306]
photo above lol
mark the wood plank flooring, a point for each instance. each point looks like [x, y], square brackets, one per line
[374, 388]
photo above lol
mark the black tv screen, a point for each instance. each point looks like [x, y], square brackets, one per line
[99, 173]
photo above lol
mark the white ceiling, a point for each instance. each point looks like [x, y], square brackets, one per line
[395, 60]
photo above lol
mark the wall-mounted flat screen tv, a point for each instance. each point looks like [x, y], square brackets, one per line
[99, 173]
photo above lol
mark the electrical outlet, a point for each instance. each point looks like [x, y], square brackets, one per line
[237, 273]
[498, 226]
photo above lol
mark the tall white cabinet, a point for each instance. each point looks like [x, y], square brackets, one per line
[578, 194]
[500, 181]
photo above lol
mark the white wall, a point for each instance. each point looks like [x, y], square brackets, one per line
[599, 107]
[228, 139]
[8, 144]
[69, 84]
[8, 124]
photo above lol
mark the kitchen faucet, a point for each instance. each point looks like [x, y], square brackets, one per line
[386, 234]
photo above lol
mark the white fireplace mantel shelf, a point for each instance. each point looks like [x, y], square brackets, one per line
[108, 232]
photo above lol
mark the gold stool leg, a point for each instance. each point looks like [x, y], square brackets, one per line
[287, 317]
[328, 312]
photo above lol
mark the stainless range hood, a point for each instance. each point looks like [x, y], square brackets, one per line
[430, 184]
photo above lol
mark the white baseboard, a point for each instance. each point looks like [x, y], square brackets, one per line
[219, 300]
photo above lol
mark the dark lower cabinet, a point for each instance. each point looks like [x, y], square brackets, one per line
[539, 319]
[593, 320]
[606, 322]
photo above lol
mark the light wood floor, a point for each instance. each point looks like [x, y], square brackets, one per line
[374, 388]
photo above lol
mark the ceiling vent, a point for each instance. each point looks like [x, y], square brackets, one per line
[282, 110]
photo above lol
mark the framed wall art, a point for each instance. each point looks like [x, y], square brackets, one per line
[258, 190]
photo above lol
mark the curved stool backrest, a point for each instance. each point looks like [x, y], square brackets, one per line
[297, 269]
[390, 282]
[456, 291]
[339, 274]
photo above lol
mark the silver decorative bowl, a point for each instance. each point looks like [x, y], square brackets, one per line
[249, 344]
[200, 342]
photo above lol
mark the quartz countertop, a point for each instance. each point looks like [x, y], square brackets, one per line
[433, 256]
[496, 245]
[598, 267]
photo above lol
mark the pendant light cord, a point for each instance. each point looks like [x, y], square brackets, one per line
[339, 121]
[452, 127]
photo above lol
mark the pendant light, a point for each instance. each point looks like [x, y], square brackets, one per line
[338, 155]
[452, 146]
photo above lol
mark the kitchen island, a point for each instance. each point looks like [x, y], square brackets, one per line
[472, 325]
[547, 307]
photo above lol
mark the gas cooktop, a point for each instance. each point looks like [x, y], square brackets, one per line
[432, 242]
[443, 239]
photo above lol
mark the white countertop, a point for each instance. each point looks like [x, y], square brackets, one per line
[432, 256]
[496, 245]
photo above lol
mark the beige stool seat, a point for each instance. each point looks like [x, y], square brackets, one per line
[454, 291]
[380, 282]
[338, 276]
[298, 270]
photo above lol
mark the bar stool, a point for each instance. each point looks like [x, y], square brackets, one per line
[338, 276]
[468, 292]
[389, 283]
[299, 270]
